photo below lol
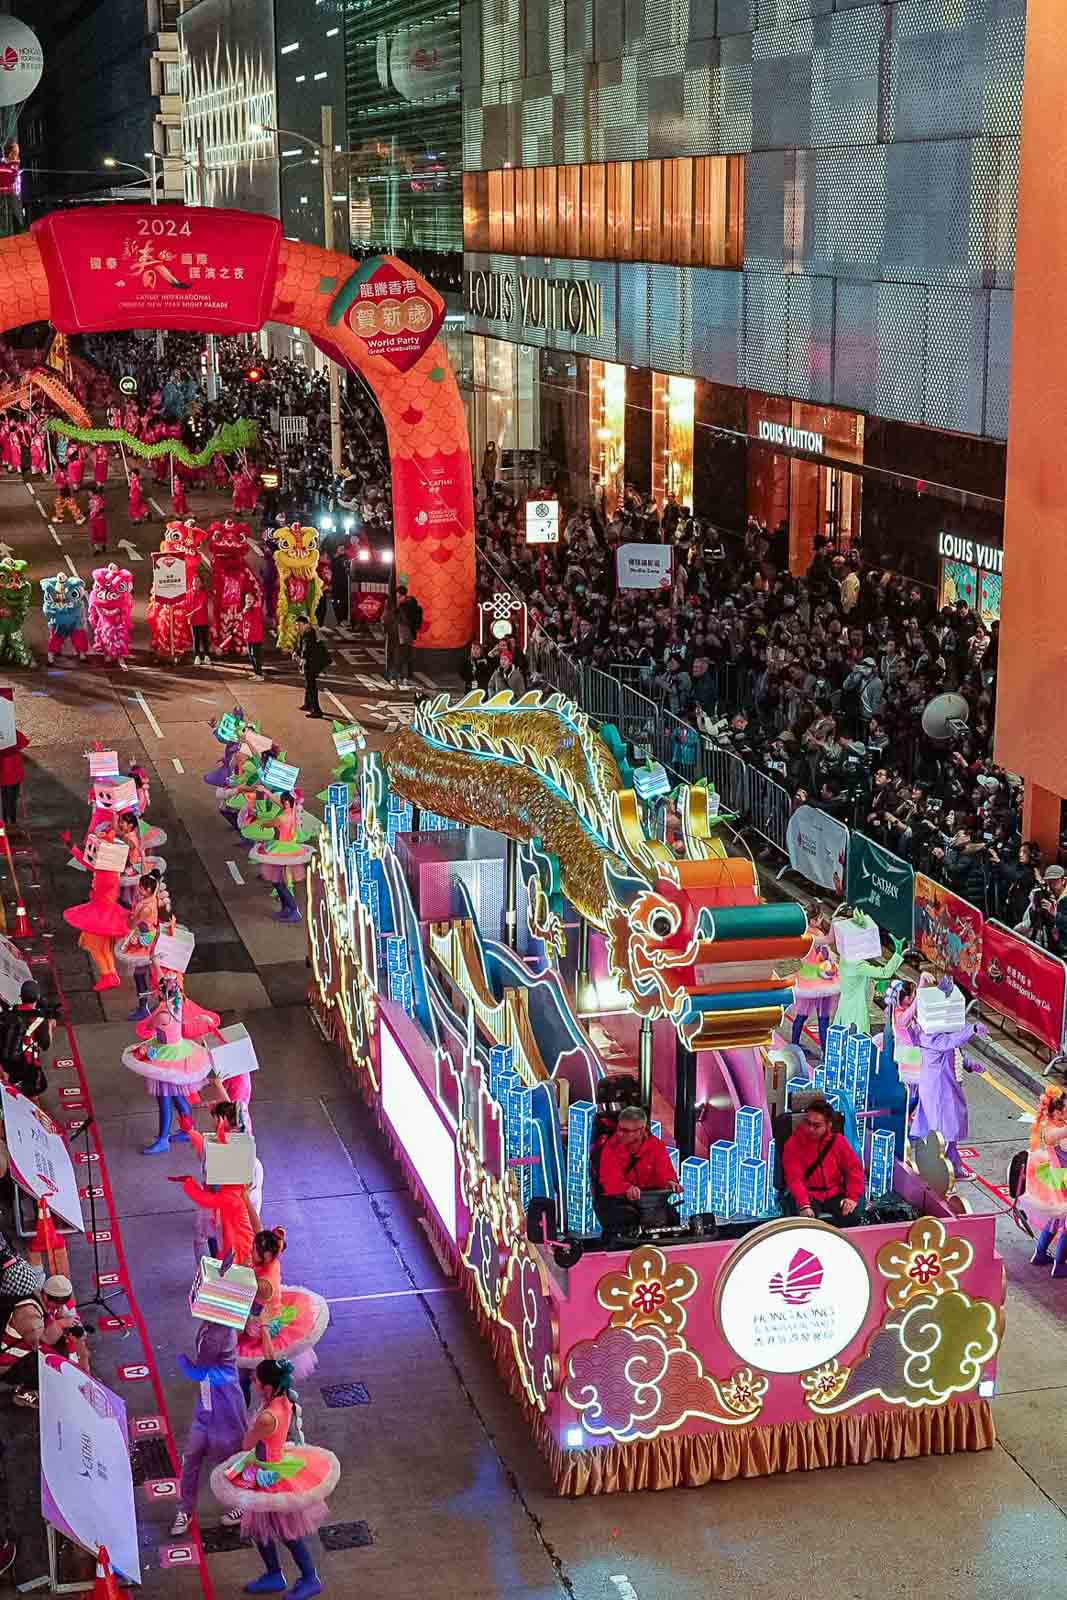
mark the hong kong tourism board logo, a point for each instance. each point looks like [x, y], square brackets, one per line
[793, 1295]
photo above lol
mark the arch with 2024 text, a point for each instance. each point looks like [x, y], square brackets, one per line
[201, 270]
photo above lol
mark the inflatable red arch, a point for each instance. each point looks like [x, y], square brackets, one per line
[214, 271]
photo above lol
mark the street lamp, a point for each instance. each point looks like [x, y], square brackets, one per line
[150, 176]
[324, 150]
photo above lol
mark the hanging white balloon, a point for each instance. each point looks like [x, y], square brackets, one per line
[21, 61]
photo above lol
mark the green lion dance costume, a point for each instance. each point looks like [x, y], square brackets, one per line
[299, 585]
[16, 591]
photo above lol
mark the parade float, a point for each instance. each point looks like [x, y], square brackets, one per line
[505, 911]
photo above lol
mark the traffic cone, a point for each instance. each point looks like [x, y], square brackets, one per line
[46, 1241]
[23, 925]
[106, 1586]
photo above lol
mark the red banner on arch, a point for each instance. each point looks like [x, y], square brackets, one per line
[159, 267]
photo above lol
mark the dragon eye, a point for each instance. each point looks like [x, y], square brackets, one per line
[661, 923]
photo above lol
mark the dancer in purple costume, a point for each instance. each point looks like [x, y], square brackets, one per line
[220, 1419]
[942, 1105]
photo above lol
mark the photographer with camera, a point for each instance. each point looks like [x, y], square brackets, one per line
[26, 1032]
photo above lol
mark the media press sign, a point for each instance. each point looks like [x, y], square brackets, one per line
[882, 885]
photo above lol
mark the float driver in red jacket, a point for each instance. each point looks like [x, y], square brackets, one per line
[631, 1161]
[823, 1174]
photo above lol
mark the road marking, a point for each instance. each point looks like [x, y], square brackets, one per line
[122, 665]
[427, 683]
[42, 510]
[131, 550]
[146, 708]
[1009, 1094]
[343, 709]
[391, 1294]
[376, 685]
[56, 537]
[30, 490]
[624, 1586]
[234, 872]
[73, 569]
[177, 764]
[156, 507]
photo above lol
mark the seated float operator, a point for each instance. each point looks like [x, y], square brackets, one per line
[823, 1174]
[631, 1161]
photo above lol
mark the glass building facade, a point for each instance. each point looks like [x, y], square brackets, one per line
[806, 207]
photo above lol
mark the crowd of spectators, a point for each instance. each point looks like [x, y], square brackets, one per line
[819, 681]
[281, 388]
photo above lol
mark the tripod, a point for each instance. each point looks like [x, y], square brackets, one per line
[97, 1299]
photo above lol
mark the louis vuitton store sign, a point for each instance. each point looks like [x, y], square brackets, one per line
[555, 304]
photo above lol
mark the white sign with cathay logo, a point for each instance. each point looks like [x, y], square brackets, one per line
[793, 1295]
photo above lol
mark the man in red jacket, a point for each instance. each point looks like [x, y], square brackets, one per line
[823, 1174]
[631, 1161]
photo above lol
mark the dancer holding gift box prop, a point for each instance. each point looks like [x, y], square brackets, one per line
[220, 1300]
[173, 1067]
[859, 945]
[941, 1016]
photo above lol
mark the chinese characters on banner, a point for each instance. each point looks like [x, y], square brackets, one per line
[948, 931]
[395, 316]
[159, 267]
[644, 566]
[1023, 983]
[170, 577]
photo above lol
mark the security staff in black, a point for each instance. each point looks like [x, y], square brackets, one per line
[315, 658]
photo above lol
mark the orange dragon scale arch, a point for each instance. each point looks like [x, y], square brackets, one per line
[216, 271]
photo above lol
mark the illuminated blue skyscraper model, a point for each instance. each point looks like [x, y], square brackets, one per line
[581, 1218]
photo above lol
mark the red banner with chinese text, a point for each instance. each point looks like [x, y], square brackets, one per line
[398, 317]
[1024, 983]
[159, 267]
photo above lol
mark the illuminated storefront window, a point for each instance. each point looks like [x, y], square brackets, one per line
[607, 431]
[502, 394]
[673, 413]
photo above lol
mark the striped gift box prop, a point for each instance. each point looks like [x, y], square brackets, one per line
[103, 763]
[222, 1293]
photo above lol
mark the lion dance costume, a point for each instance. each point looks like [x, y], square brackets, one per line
[299, 585]
[231, 581]
[64, 612]
[111, 611]
[168, 620]
[15, 592]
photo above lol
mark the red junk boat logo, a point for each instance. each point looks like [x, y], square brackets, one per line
[799, 1281]
[10, 58]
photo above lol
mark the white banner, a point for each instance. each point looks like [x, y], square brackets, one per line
[170, 578]
[13, 972]
[818, 848]
[644, 566]
[40, 1160]
[86, 1476]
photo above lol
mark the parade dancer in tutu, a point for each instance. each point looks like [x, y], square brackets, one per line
[135, 951]
[280, 1488]
[174, 1068]
[285, 860]
[1045, 1200]
[220, 1420]
[286, 1321]
[100, 921]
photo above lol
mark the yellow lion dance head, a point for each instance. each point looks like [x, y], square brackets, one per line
[296, 556]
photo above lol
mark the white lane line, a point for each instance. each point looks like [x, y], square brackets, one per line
[624, 1586]
[177, 764]
[343, 709]
[30, 490]
[427, 683]
[392, 1294]
[122, 665]
[73, 569]
[147, 709]
[42, 510]
[376, 684]
[234, 873]
[57, 539]
[156, 507]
